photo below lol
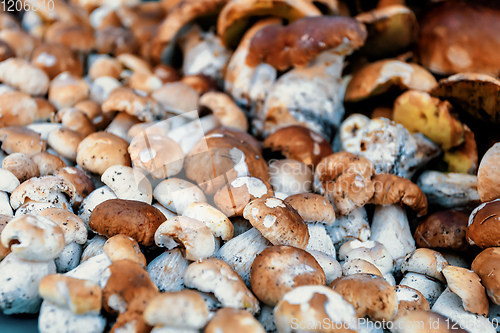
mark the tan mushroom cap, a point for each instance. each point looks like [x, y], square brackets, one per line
[94, 113]
[166, 73]
[182, 309]
[443, 229]
[299, 143]
[65, 142]
[134, 63]
[23, 75]
[8, 181]
[105, 66]
[82, 182]
[467, 285]
[21, 166]
[345, 180]
[225, 110]
[426, 262]
[228, 320]
[488, 182]
[370, 295]
[67, 89]
[78, 296]
[18, 109]
[194, 236]
[115, 41]
[278, 269]
[127, 292]
[121, 247]
[419, 321]
[55, 58]
[200, 83]
[73, 227]
[232, 198]
[17, 139]
[277, 221]
[315, 304]
[359, 266]
[137, 220]
[20, 41]
[379, 77]
[237, 134]
[48, 163]
[45, 110]
[409, 300]
[77, 37]
[216, 221]
[215, 276]
[485, 265]
[312, 207]
[134, 103]
[100, 150]
[41, 189]
[158, 155]
[391, 189]
[482, 229]
[33, 238]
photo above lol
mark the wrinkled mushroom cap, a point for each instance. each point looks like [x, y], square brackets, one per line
[277, 221]
[312, 207]
[482, 229]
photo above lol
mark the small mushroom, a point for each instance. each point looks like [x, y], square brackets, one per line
[176, 97]
[65, 143]
[105, 65]
[95, 198]
[487, 182]
[215, 276]
[55, 59]
[225, 110]
[216, 221]
[360, 266]
[289, 177]
[121, 247]
[48, 163]
[228, 320]
[128, 183]
[21, 166]
[66, 90]
[81, 181]
[134, 103]
[24, 76]
[371, 251]
[78, 37]
[176, 194]
[102, 87]
[485, 266]
[312, 208]
[121, 124]
[167, 270]
[409, 300]
[17, 139]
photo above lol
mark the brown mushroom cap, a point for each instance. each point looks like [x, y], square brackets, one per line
[18, 109]
[443, 229]
[345, 180]
[105, 66]
[55, 58]
[410, 299]
[134, 103]
[312, 207]
[453, 35]
[391, 189]
[45, 112]
[6, 51]
[135, 219]
[278, 269]
[82, 182]
[121, 247]
[485, 265]
[17, 139]
[67, 89]
[115, 41]
[483, 228]
[239, 135]
[488, 180]
[277, 221]
[284, 47]
[21, 166]
[228, 320]
[100, 150]
[299, 143]
[73, 227]
[370, 295]
[77, 37]
[21, 42]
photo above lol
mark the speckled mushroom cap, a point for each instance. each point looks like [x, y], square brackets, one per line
[227, 287]
[77, 295]
[17, 139]
[18, 109]
[33, 238]
[73, 227]
[359, 266]
[482, 229]
[56, 58]
[277, 221]
[467, 285]
[370, 295]
[410, 299]
[391, 189]
[121, 247]
[426, 262]
[420, 321]
[81, 181]
[315, 304]
[312, 207]
[100, 150]
[485, 265]
[278, 269]
[299, 143]
[488, 182]
[345, 180]
[233, 197]
[443, 229]
[128, 183]
[227, 320]
[137, 220]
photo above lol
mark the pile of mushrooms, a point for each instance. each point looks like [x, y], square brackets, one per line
[251, 166]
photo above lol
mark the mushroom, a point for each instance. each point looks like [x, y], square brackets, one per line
[360, 266]
[351, 226]
[138, 220]
[81, 181]
[331, 267]
[176, 97]
[485, 265]
[47, 163]
[421, 320]
[409, 300]
[24, 76]
[121, 247]
[216, 221]
[20, 166]
[18, 109]
[277, 221]
[279, 269]
[449, 190]
[176, 194]
[127, 291]
[135, 103]
[194, 235]
[104, 65]
[70, 304]
[101, 88]
[212, 275]
[121, 124]
[4, 219]
[345, 180]
[64, 143]
[187, 310]
[487, 183]
[225, 110]
[314, 304]
[128, 183]
[289, 177]
[66, 90]
[167, 270]
[75, 120]
[17, 139]
[55, 59]
[228, 320]
[299, 143]
[95, 198]
[144, 82]
[312, 208]
[371, 251]
[78, 37]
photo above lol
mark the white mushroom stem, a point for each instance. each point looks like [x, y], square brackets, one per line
[390, 227]
[430, 288]
[330, 265]
[319, 240]
[53, 318]
[167, 270]
[92, 270]
[69, 257]
[451, 306]
[128, 183]
[241, 251]
[351, 226]
[5, 207]
[93, 247]
[266, 318]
